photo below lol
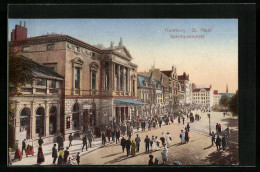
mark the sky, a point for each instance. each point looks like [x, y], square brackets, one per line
[209, 60]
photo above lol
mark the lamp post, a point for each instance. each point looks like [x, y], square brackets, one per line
[209, 124]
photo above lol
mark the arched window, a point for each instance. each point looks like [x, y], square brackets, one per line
[40, 121]
[25, 123]
[52, 120]
[75, 116]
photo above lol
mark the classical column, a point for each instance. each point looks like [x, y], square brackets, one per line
[17, 119]
[73, 79]
[110, 76]
[114, 76]
[128, 80]
[33, 119]
[124, 79]
[119, 78]
[47, 113]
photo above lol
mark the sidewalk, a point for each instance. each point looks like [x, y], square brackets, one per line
[47, 151]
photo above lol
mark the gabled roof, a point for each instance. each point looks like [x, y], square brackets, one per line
[40, 71]
[198, 89]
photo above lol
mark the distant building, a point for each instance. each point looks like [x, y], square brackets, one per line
[216, 97]
[203, 96]
[186, 88]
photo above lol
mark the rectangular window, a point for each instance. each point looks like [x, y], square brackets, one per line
[77, 77]
[94, 80]
[50, 47]
[40, 82]
[53, 84]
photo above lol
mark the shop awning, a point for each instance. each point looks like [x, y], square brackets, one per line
[127, 102]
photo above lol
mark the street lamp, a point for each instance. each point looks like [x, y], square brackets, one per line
[209, 124]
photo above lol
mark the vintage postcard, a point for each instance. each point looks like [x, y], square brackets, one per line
[152, 92]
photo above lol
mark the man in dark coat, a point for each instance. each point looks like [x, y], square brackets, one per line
[128, 145]
[84, 143]
[217, 128]
[103, 138]
[54, 153]
[183, 119]
[40, 141]
[223, 142]
[147, 141]
[212, 138]
[113, 133]
[108, 133]
[117, 135]
[66, 155]
[160, 123]
[218, 142]
[70, 139]
[23, 146]
[137, 140]
[179, 120]
[123, 144]
[60, 141]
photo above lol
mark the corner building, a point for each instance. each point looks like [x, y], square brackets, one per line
[99, 83]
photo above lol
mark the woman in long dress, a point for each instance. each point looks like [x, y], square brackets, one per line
[169, 140]
[182, 136]
[40, 156]
[133, 147]
[18, 154]
[156, 144]
[29, 150]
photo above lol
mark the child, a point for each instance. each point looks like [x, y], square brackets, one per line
[156, 161]
[164, 156]
[78, 158]
[150, 160]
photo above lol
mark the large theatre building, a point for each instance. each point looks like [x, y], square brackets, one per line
[100, 84]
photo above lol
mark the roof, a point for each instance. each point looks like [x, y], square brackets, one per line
[167, 72]
[198, 89]
[40, 71]
[227, 94]
[127, 102]
[140, 80]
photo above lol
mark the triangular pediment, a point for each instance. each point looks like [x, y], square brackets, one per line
[77, 60]
[123, 52]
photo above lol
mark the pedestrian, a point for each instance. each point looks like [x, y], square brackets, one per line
[160, 123]
[54, 154]
[90, 138]
[29, 150]
[113, 133]
[60, 141]
[84, 143]
[218, 142]
[61, 156]
[78, 158]
[128, 146]
[70, 139]
[9, 157]
[149, 125]
[108, 133]
[188, 127]
[157, 145]
[23, 146]
[212, 137]
[18, 154]
[138, 141]
[103, 139]
[156, 162]
[40, 141]
[182, 136]
[40, 156]
[179, 120]
[151, 142]
[187, 137]
[163, 138]
[164, 156]
[117, 135]
[223, 142]
[133, 148]
[150, 162]
[217, 128]
[147, 141]
[66, 155]
[168, 139]
[123, 143]
[183, 119]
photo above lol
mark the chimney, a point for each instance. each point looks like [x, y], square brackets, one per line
[19, 33]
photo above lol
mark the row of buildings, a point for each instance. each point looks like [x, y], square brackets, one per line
[77, 85]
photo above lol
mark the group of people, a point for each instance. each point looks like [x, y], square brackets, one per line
[219, 141]
[184, 136]
[218, 128]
